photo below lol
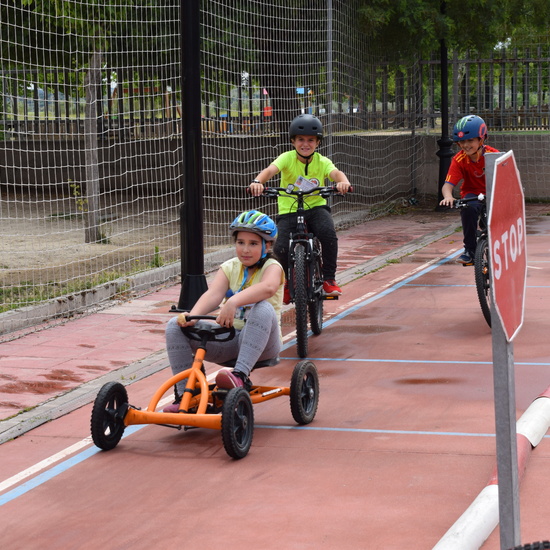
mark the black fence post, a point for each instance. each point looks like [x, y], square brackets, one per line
[445, 152]
[193, 283]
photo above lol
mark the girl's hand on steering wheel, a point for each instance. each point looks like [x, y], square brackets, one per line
[226, 316]
[182, 320]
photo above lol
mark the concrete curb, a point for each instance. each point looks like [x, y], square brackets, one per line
[17, 425]
[481, 518]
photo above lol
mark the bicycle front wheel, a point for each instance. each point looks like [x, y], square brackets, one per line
[482, 268]
[315, 306]
[300, 299]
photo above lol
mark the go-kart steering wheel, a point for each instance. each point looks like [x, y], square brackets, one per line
[204, 332]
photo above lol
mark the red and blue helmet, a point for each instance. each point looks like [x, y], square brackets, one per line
[468, 127]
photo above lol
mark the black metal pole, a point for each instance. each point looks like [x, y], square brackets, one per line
[193, 279]
[445, 143]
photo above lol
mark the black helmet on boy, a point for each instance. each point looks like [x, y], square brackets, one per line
[305, 125]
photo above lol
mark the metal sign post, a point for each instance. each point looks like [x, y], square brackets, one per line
[507, 252]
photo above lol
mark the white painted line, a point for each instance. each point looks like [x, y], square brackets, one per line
[38, 467]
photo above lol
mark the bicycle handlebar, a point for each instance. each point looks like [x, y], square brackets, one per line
[462, 203]
[291, 190]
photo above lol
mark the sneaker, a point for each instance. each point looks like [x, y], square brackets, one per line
[286, 294]
[173, 408]
[227, 379]
[331, 288]
[466, 259]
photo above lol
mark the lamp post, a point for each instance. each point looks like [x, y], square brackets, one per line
[193, 280]
[445, 143]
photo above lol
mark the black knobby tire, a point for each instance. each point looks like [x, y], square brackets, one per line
[300, 299]
[107, 423]
[304, 392]
[316, 305]
[237, 423]
[482, 271]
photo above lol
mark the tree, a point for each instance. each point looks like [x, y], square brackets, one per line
[99, 36]
[468, 24]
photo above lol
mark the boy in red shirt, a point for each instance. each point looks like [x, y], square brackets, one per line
[468, 167]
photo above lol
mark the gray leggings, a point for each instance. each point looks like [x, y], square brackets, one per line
[258, 340]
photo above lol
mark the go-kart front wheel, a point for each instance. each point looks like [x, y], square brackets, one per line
[237, 423]
[110, 407]
[304, 392]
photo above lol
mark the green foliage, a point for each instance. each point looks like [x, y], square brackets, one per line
[464, 24]
[81, 202]
[158, 260]
[65, 33]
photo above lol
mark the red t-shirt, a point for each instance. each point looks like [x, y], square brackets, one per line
[472, 174]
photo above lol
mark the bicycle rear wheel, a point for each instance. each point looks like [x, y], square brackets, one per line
[482, 268]
[315, 306]
[300, 299]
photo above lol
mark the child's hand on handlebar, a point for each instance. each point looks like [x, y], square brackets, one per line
[343, 187]
[256, 189]
[448, 201]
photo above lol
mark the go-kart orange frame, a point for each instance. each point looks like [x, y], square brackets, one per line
[203, 405]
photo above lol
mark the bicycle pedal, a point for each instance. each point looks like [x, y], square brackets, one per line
[325, 297]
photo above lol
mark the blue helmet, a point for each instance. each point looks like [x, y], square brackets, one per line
[471, 126]
[257, 222]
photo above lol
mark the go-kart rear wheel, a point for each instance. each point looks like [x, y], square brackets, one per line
[237, 423]
[110, 407]
[304, 392]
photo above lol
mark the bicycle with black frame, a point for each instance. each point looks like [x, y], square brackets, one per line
[305, 267]
[482, 261]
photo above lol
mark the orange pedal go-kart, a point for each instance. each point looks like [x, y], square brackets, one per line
[205, 405]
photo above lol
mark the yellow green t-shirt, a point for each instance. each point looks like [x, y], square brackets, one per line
[234, 271]
[290, 168]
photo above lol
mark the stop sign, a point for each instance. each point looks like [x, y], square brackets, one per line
[507, 237]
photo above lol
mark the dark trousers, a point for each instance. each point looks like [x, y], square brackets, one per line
[470, 217]
[319, 222]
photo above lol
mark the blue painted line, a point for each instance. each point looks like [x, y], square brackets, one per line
[371, 431]
[438, 286]
[57, 470]
[382, 294]
[421, 361]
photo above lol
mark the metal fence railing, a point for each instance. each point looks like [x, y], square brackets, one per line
[510, 90]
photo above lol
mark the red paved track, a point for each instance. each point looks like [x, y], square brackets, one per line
[401, 445]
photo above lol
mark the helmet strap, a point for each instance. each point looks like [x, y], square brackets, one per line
[306, 158]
